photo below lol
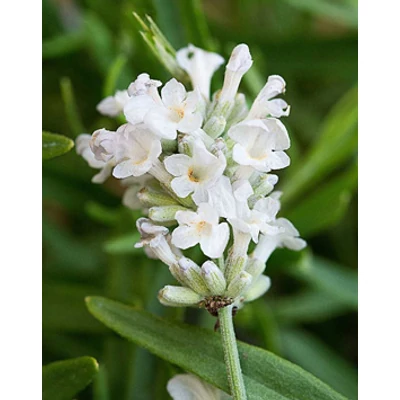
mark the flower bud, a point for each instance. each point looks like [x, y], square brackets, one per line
[237, 257]
[239, 284]
[263, 184]
[259, 287]
[264, 105]
[177, 296]
[185, 145]
[215, 126]
[165, 213]
[214, 278]
[239, 63]
[103, 144]
[151, 198]
[255, 267]
[191, 275]
[239, 110]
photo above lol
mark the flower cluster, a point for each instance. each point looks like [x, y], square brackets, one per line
[200, 169]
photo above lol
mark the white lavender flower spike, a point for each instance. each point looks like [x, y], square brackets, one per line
[199, 168]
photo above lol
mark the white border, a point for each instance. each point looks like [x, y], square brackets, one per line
[379, 200]
[20, 344]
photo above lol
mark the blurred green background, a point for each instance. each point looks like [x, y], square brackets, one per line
[91, 48]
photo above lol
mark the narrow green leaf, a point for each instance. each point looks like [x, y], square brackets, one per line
[71, 254]
[54, 145]
[200, 351]
[343, 12]
[71, 108]
[316, 357]
[64, 309]
[62, 380]
[167, 17]
[63, 45]
[100, 385]
[307, 306]
[124, 244]
[100, 41]
[338, 281]
[336, 143]
[110, 83]
[195, 24]
[325, 207]
[100, 213]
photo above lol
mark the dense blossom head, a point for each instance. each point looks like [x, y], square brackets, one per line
[199, 168]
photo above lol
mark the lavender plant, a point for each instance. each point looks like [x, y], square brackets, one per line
[199, 166]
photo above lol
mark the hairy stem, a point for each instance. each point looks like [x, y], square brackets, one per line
[231, 354]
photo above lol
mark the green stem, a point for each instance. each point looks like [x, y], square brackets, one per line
[231, 354]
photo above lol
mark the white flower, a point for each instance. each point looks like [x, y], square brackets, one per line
[195, 174]
[263, 106]
[144, 85]
[201, 227]
[200, 65]
[288, 237]
[83, 149]
[190, 387]
[239, 63]
[176, 110]
[260, 144]
[259, 218]
[113, 105]
[154, 236]
[103, 144]
[137, 151]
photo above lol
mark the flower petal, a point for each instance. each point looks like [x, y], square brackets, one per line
[182, 186]
[173, 93]
[190, 387]
[137, 107]
[187, 217]
[177, 164]
[190, 122]
[214, 245]
[184, 237]
[162, 122]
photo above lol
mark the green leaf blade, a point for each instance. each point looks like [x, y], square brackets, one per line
[335, 145]
[200, 352]
[54, 145]
[62, 380]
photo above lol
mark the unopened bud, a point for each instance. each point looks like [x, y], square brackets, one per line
[177, 296]
[215, 126]
[237, 256]
[165, 213]
[239, 284]
[185, 145]
[239, 63]
[149, 197]
[239, 110]
[192, 277]
[214, 278]
[263, 184]
[255, 267]
[259, 287]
